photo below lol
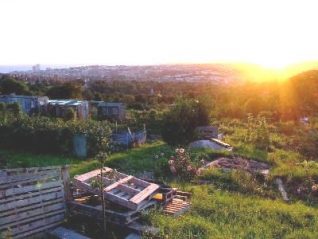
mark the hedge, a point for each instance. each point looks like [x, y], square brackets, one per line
[46, 135]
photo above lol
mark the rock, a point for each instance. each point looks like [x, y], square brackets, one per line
[214, 144]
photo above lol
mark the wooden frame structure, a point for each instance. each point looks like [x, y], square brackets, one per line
[32, 200]
[124, 190]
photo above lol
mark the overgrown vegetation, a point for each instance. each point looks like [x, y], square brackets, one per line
[271, 122]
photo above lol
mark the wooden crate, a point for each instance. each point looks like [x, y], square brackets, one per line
[32, 200]
[119, 188]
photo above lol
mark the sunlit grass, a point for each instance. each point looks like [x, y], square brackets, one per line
[219, 214]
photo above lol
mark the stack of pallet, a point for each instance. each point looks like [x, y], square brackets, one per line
[124, 190]
[126, 197]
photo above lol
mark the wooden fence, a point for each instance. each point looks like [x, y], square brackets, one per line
[32, 200]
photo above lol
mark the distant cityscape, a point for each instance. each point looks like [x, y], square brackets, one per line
[187, 72]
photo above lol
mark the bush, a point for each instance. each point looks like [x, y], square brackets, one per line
[180, 122]
[45, 135]
[181, 165]
[70, 114]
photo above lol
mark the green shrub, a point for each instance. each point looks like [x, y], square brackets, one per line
[45, 135]
[180, 122]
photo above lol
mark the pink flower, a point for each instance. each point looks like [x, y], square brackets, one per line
[189, 168]
[181, 150]
[314, 188]
[200, 170]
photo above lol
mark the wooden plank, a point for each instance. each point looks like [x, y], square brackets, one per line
[128, 189]
[14, 211]
[186, 194]
[144, 193]
[26, 189]
[66, 182]
[30, 169]
[41, 209]
[25, 221]
[140, 182]
[29, 195]
[96, 213]
[91, 174]
[28, 229]
[106, 181]
[121, 201]
[9, 171]
[83, 186]
[23, 176]
[29, 202]
[11, 181]
[26, 171]
[114, 185]
[63, 233]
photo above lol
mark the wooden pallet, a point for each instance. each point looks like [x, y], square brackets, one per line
[119, 188]
[178, 204]
[123, 217]
[31, 200]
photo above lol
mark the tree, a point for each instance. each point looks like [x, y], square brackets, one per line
[14, 108]
[180, 122]
[9, 86]
[65, 91]
[70, 114]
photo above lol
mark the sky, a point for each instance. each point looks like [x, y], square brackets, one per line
[272, 33]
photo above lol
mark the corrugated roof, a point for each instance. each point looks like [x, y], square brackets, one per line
[70, 102]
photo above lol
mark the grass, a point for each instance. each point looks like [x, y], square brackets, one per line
[230, 207]
[220, 214]
[131, 161]
[21, 159]
[140, 159]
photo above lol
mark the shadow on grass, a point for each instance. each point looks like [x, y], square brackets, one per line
[139, 159]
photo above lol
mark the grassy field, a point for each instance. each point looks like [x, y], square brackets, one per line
[228, 208]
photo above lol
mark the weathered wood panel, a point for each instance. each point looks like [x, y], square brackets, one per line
[32, 200]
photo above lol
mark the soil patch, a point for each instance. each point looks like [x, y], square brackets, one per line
[249, 165]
